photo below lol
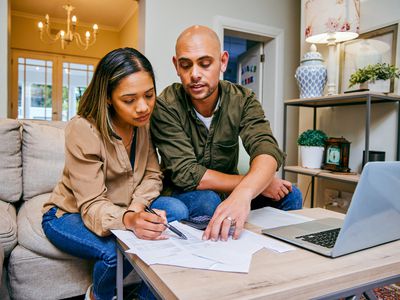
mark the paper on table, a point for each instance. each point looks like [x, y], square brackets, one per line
[269, 217]
[185, 253]
[231, 255]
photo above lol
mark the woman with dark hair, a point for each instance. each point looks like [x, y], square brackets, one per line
[111, 170]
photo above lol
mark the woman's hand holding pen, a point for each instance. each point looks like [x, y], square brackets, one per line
[146, 225]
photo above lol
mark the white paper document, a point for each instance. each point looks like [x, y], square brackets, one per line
[228, 256]
[269, 217]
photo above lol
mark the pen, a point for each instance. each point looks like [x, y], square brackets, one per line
[169, 226]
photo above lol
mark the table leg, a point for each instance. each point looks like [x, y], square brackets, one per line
[120, 271]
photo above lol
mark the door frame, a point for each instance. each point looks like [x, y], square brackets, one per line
[273, 39]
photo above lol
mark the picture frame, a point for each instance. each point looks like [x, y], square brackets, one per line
[370, 47]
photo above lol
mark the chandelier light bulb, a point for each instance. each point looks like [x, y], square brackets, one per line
[69, 34]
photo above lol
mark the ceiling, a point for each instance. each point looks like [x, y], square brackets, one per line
[111, 14]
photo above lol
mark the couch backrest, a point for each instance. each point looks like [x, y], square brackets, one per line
[10, 160]
[42, 156]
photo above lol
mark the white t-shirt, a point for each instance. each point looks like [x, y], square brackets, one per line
[206, 120]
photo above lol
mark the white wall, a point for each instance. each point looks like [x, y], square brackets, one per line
[4, 54]
[165, 20]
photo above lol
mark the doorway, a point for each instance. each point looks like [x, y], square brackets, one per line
[245, 65]
[248, 67]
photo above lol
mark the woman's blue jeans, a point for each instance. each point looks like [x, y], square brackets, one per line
[69, 234]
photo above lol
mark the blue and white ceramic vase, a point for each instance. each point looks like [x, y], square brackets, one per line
[311, 75]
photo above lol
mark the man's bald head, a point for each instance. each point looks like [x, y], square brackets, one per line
[198, 34]
[199, 62]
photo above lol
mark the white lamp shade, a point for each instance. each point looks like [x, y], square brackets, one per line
[331, 19]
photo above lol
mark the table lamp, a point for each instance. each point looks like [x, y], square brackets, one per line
[330, 22]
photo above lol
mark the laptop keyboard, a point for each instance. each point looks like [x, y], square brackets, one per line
[325, 239]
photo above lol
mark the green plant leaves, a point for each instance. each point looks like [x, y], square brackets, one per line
[312, 138]
[379, 71]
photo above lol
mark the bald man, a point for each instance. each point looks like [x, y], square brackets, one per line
[196, 127]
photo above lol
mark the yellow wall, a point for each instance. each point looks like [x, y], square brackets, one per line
[25, 35]
[129, 33]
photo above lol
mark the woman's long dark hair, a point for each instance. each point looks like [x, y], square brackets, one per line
[111, 69]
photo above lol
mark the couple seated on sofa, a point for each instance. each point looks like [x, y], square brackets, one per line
[111, 173]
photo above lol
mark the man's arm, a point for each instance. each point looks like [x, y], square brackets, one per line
[266, 158]
[226, 183]
[219, 182]
[237, 205]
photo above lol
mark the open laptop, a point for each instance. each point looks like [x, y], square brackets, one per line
[373, 217]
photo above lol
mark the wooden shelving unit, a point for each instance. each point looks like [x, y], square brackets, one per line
[324, 174]
[357, 98]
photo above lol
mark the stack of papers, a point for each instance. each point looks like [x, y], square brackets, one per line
[228, 256]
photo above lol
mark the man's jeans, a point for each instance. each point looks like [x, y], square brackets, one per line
[291, 201]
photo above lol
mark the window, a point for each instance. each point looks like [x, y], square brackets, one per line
[34, 88]
[76, 77]
[48, 86]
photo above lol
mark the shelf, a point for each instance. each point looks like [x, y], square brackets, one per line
[324, 174]
[367, 99]
[344, 99]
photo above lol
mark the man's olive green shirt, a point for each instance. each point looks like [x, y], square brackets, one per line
[187, 148]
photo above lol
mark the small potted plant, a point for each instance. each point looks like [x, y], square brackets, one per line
[312, 143]
[372, 73]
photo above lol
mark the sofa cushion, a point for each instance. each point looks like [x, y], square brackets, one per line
[8, 227]
[30, 232]
[42, 156]
[11, 162]
[32, 276]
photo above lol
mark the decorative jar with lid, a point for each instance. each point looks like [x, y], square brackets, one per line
[311, 75]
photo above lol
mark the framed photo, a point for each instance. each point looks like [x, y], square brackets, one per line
[377, 46]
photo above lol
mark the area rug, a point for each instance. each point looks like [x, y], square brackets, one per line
[390, 292]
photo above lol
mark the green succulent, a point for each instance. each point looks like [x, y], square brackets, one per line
[312, 137]
[379, 71]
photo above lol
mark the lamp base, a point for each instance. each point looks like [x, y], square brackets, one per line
[331, 66]
[331, 89]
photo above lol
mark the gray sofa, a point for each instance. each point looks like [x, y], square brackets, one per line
[31, 163]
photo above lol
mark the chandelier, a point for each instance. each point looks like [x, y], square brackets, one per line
[68, 35]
